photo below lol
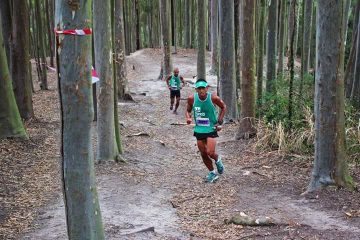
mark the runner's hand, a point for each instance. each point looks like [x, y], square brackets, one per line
[188, 120]
[217, 127]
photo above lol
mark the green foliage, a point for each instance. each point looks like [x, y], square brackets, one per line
[352, 131]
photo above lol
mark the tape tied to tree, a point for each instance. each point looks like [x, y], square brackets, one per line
[76, 32]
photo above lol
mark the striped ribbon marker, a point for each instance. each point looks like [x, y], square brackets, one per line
[77, 32]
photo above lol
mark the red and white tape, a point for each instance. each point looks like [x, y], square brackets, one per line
[94, 76]
[78, 32]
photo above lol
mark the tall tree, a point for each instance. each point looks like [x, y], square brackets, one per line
[214, 36]
[20, 58]
[282, 26]
[165, 28]
[201, 39]
[355, 92]
[120, 50]
[10, 121]
[330, 157]
[271, 47]
[83, 215]
[260, 55]
[106, 147]
[305, 56]
[41, 44]
[5, 14]
[227, 59]
[246, 128]
[174, 28]
[187, 13]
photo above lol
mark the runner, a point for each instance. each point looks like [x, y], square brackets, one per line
[207, 124]
[173, 83]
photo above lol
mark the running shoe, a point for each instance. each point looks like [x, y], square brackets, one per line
[219, 166]
[211, 177]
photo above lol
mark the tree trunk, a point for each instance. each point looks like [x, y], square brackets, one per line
[271, 47]
[120, 50]
[355, 92]
[227, 84]
[165, 27]
[50, 27]
[330, 158]
[187, 23]
[5, 14]
[74, 61]
[291, 65]
[20, 59]
[41, 45]
[308, 7]
[137, 26]
[282, 17]
[246, 128]
[239, 34]
[201, 39]
[260, 63]
[106, 147]
[174, 25]
[214, 37]
[10, 121]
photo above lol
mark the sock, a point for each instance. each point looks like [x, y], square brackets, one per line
[213, 171]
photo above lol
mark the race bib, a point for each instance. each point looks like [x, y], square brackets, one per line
[203, 122]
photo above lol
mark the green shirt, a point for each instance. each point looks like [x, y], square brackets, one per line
[205, 114]
[174, 82]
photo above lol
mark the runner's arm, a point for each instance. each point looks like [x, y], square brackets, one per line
[182, 80]
[167, 81]
[220, 103]
[189, 106]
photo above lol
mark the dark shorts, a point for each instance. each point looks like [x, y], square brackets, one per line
[203, 136]
[175, 93]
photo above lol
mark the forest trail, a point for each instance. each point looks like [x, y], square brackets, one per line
[161, 188]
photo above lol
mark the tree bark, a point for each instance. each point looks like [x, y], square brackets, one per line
[10, 121]
[82, 208]
[305, 56]
[20, 59]
[201, 70]
[165, 27]
[120, 50]
[214, 37]
[282, 17]
[246, 128]
[271, 47]
[260, 57]
[187, 23]
[106, 147]
[330, 158]
[5, 14]
[41, 45]
[227, 84]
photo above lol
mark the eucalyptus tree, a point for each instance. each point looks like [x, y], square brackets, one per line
[247, 116]
[166, 40]
[214, 36]
[10, 121]
[5, 15]
[201, 39]
[260, 54]
[305, 55]
[272, 47]
[187, 36]
[83, 215]
[120, 50]
[330, 157]
[282, 27]
[106, 147]
[20, 59]
[227, 84]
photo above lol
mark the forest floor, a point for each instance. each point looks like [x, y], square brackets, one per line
[160, 192]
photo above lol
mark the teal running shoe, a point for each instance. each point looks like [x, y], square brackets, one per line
[219, 166]
[211, 177]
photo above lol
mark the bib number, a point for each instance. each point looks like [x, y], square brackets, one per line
[203, 122]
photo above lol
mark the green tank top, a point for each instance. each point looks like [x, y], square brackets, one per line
[174, 82]
[205, 114]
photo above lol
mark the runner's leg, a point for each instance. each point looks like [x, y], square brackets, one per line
[210, 149]
[202, 148]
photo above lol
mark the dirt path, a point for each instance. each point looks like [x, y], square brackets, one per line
[162, 188]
